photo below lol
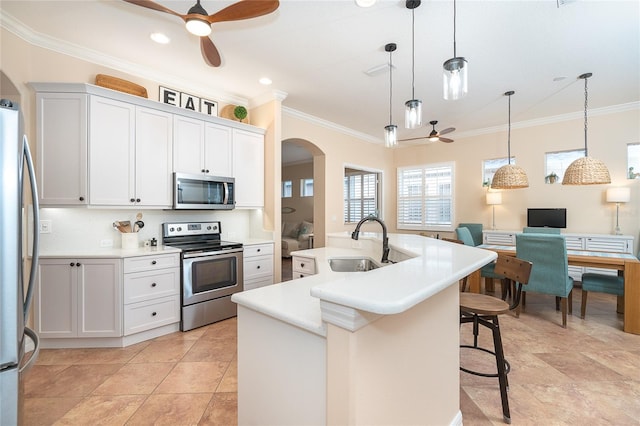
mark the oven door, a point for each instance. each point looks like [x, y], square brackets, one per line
[210, 276]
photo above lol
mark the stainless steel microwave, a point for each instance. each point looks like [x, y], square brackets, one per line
[202, 192]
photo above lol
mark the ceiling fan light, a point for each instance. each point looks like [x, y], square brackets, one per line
[413, 114]
[510, 176]
[454, 78]
[198, 27]
[390, 135]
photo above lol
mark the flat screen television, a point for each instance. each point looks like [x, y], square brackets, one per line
[551, 218]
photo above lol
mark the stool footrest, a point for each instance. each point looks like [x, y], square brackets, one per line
[507, 366]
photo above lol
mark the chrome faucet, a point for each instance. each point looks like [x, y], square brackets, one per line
[385, 239]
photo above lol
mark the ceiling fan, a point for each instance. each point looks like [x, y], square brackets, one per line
[198, 22]
[434, 136]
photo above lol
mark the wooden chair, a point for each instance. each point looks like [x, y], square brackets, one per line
[482, 309]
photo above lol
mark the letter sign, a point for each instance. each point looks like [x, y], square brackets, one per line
[187, 101]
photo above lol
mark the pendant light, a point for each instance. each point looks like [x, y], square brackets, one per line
[454, 77]
[390, 131]
[509, 176]
[586, 170]
[413, 107]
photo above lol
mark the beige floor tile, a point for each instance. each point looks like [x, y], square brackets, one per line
[46, 411]
[579, 367]
[135, 379]
[164, 351]
[74, 381]
[193, 377]
[103, 410]
[222, 410]
[212, 350]
[229, 382]
[171, 410]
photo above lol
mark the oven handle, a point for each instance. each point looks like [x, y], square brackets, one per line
[210, 253]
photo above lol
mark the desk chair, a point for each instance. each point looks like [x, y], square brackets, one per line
[481, 309]
[540, 230]
[550, 274]
[487, 271]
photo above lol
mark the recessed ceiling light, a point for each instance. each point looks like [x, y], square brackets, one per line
[265, 81]
[160, 38]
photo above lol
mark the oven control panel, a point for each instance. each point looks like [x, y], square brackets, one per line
[190, 229]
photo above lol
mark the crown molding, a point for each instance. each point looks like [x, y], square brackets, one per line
[35, 38]
[273, 95]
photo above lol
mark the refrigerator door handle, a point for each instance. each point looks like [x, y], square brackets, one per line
[36, 350]
[36, 222]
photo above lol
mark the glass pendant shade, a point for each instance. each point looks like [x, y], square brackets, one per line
[413, 114]
[586, 170]
[454, 78]
[198, 27]
[510, 176]
[390, 135]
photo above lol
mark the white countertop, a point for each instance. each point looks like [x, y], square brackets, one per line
[387, 290]
[112, 252]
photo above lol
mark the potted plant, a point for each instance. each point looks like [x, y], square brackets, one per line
[240, 113]
[551, 178]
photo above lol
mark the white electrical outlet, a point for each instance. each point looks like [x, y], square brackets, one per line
[106, 243]
[46, 227]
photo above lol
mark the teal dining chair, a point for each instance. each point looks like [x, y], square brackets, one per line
[540, 230]
[487, 271]
[476, 231]
[550, 272]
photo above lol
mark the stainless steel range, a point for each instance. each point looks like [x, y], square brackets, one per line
[211, 271]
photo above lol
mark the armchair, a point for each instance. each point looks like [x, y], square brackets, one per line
[550, 274]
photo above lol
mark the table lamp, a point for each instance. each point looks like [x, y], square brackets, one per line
[618, 195]
[493, 199]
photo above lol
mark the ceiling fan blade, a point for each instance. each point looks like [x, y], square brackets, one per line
[209, 52]
[447, 140]
[412, 139]
[447, 130]
[244, 9]
[155, 6]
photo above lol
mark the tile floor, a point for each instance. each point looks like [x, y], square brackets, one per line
[587, 374]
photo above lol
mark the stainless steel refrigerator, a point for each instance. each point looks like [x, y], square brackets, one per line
[16, 166]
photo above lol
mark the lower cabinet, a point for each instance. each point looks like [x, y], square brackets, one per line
[257, 265]
[303, 266]
[151, 292]
[79, 297]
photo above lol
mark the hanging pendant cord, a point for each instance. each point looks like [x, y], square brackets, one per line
[413, 53]
[390, 86]
[454, 29]
[585, 117]
[509, 134]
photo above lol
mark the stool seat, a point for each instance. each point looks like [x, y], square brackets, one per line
[482, 304]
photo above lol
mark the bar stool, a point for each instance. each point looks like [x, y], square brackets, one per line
[482, 309]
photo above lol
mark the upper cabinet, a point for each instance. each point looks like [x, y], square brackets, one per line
[100, 147]
[201, 147]
[62, 148]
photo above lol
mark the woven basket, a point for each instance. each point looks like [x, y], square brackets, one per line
[586, 171]
[510, 176]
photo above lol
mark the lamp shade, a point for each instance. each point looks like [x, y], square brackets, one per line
[618, 195]
[510, 176]
[494, 198]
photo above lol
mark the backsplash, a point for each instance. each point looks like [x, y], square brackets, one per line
[89, 229]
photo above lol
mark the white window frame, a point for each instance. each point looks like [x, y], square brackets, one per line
[283, 193]
[559, 170]
[487, 173]
[378, 197]
[424, 224]
[633, 160]
[303, 187]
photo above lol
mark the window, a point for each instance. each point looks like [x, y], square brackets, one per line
[287, 189]
[489, 168]
[557, 162]
[306, 187]
[361, 194]
[425, 197]
[633, 160]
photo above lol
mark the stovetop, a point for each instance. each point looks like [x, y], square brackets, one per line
[196, 236]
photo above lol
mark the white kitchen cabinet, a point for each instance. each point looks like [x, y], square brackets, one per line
[78, 298]
[303, 266]
[201, 147]
[62, 148]
[248, 168]
[151, 292]
[257, 265]
[130, 155]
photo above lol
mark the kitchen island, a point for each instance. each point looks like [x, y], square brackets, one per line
[375, 347]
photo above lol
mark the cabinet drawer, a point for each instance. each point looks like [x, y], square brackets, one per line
[297, 275]
[500, 239]
[607, 244]
[258, 250]
[574, 243]
[303, 264]
[147, 315]
[141, 286]
[257, 282]
[258, 266]
[151, 262]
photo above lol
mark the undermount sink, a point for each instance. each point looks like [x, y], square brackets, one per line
[352, 264]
